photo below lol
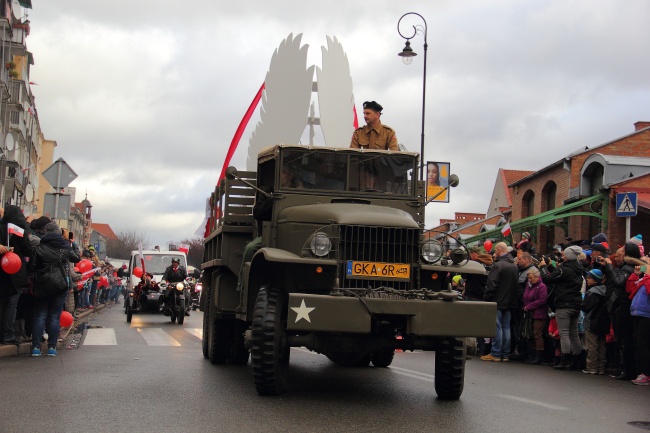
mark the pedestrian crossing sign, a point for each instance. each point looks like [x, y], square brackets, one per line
[626, 204]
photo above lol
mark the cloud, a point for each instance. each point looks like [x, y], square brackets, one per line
[143, 98]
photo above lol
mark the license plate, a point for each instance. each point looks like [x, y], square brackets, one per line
[378, 270]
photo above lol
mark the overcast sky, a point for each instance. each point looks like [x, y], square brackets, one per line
[143, 97]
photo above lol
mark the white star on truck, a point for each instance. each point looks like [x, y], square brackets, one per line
[303, 311]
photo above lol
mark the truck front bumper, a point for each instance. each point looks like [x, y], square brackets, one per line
[325, 313]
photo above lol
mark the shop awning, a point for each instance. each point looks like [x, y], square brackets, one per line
[25, 3]
[597, 205]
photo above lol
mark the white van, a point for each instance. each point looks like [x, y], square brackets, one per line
[155, 262]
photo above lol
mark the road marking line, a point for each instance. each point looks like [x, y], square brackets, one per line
[302, 349]
[157, 337]
[415, 376]
[406, 370]
[100, 337]
[535, 402]
[197, 332]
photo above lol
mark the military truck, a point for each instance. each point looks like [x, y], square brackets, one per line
[343, 267]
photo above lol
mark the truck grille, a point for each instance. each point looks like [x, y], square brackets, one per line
[378, 244]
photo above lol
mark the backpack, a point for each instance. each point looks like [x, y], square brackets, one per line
[48, 275]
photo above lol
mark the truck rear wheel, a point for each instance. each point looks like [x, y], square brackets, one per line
[206, 324]
[450, 368]
[269, 348]
[383, 358]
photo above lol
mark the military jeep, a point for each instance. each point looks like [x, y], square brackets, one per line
[343, 268]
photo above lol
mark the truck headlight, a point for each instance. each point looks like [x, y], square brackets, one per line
[320, 245]
[431, 251]
[180, 287]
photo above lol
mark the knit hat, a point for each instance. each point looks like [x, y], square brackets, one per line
[638, 240]
[596, 274]
[599, 238]
[52, 227]
[525, 235]
[571, 253]
[557, 247]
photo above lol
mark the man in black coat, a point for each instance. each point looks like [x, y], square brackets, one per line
[475, 286]
[501, 287]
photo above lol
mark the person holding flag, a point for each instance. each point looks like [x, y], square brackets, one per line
[12, 286]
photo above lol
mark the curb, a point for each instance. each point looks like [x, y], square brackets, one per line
[25, 348]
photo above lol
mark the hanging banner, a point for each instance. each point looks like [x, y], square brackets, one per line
[437, 181]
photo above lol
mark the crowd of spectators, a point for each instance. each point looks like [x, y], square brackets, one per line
[45, 281]
[584, 307]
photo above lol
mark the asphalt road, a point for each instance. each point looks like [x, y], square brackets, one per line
[150, 376]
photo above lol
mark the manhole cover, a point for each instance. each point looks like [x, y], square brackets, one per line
[640, 424]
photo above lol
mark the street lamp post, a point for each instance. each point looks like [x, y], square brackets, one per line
[407, 55]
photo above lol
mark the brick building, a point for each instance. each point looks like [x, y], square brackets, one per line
[575, 196]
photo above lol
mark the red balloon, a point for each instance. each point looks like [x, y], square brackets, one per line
[103, 281]
[487, 245]
[11, 263]
[137, 272]
[66, 319]
[76, 269]
[85, 265]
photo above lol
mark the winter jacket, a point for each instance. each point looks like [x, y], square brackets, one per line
[618, 277]
[567, 278]
[523, 282]
[641, 301]
[534, 299]
[14, 283]
[594, 306]
[51, 250]
[501, 285]
[475, 283]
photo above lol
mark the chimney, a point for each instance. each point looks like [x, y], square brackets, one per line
[641, 125]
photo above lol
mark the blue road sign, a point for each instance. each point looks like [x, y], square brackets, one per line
[626, 204]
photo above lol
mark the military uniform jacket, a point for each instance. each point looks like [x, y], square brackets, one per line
[377, 137]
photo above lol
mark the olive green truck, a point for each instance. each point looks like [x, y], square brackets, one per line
[334, 259]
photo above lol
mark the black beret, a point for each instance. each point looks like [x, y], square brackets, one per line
[373, 106]
[599, 247]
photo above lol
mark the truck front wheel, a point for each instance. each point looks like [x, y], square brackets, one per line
[269, 348]
[450, 368]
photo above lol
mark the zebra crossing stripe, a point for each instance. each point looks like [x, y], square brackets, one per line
[197, 332]
[100, 337]
[157, 337]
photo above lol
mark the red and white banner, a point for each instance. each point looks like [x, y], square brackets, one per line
[505, 231]
[185, 248]
[13, 229]
[141, 257]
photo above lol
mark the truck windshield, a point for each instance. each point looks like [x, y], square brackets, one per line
[346, 172]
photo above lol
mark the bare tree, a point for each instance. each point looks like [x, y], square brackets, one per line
[127, 240]
[195, 255]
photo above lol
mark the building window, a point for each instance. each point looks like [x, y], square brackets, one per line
[528, 204]
[549, 193]
[592, 178]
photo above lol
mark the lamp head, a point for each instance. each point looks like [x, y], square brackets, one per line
[407, 53]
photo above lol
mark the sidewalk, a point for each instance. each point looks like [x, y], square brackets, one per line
[25, 348]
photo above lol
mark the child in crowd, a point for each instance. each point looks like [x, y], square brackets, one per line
[596, 322]
[554, 333]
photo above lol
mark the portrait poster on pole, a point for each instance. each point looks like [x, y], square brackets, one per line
[437, 181]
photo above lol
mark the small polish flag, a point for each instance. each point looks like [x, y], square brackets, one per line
[505, 231]
[184, 248]
[13, 229]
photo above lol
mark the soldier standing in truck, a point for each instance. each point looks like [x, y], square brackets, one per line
[374, 135]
